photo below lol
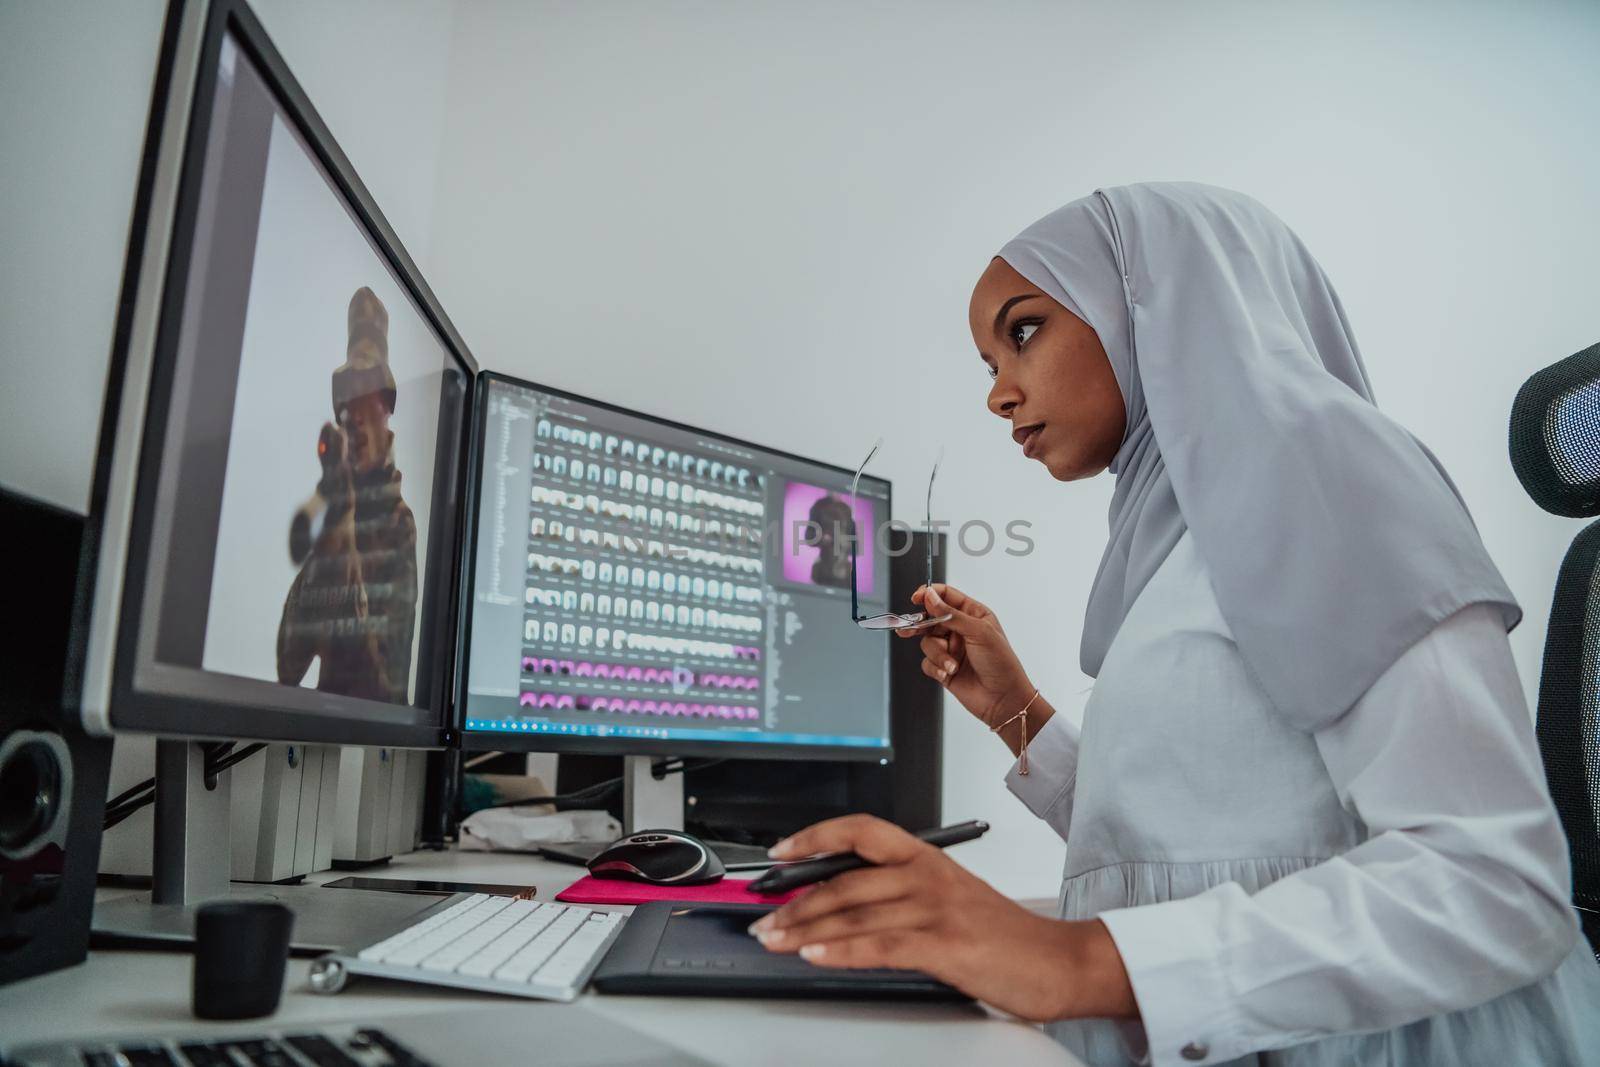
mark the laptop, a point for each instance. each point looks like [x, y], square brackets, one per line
[463, 1036]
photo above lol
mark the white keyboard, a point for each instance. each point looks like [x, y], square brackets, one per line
[495, 944]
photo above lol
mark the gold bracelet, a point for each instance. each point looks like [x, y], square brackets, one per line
[1022, 747]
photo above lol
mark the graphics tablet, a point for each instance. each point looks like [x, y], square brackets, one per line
[704, 950]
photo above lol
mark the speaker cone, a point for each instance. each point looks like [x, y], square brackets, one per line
[35, 782]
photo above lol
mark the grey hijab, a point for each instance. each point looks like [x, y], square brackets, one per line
[1334, 540]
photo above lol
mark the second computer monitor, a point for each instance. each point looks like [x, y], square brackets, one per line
[275, 513]
[640, 586]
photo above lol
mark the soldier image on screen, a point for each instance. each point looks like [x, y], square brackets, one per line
[837, 528]
[353, 605]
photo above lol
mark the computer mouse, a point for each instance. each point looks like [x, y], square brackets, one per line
[658, 857]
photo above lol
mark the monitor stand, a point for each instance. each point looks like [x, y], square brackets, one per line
[649, 802]
[192, 862]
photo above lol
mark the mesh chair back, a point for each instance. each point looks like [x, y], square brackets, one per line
[1555, 450]
[1555, 435]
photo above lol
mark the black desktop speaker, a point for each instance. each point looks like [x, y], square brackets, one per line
[52, 776]
[759, 801]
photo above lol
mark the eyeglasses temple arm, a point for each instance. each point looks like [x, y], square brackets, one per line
[855, 603]
[855, 607]
[937, 459]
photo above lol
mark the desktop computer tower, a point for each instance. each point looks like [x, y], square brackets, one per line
[52, 775]
[283, 810]
[281, 803]
[381, 793]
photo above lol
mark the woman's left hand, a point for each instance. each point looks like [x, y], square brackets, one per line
[918, 909]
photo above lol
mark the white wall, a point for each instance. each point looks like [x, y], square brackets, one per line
[377, 72]
[75, 81]
[767, 218]
[75, 84]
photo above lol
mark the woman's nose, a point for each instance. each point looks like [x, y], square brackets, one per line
[1003, 398]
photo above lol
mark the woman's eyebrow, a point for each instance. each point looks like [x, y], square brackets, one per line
[999, 316]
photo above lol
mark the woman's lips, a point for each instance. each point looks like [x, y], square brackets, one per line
[1030, 441]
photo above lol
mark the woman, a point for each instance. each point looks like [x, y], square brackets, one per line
[1306, 820]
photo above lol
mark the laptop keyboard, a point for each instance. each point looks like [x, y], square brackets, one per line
[363, 1048]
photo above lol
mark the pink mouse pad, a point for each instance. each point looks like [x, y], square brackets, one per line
[591, 890]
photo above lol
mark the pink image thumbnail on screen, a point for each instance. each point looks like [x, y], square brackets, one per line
[835, 516]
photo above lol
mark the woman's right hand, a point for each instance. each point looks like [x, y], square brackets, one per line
[969, 655]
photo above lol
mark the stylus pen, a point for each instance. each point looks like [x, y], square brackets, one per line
[807, 872]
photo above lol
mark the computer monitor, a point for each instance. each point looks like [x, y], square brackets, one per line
[274, 527]
[286, 569]
[637, 586]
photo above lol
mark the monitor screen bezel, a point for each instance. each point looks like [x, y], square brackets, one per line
[255, 717]
[493, 740]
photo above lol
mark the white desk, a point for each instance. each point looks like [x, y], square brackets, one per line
[125, 992]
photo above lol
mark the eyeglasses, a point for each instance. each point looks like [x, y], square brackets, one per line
[913, 620]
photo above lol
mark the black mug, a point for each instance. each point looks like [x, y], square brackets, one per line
[241, 948]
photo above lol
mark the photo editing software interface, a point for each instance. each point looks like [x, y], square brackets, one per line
[635, 579]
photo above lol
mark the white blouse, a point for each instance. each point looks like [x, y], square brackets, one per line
[1390, 890]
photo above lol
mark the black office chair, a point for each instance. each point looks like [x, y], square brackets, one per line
[1555, 450]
